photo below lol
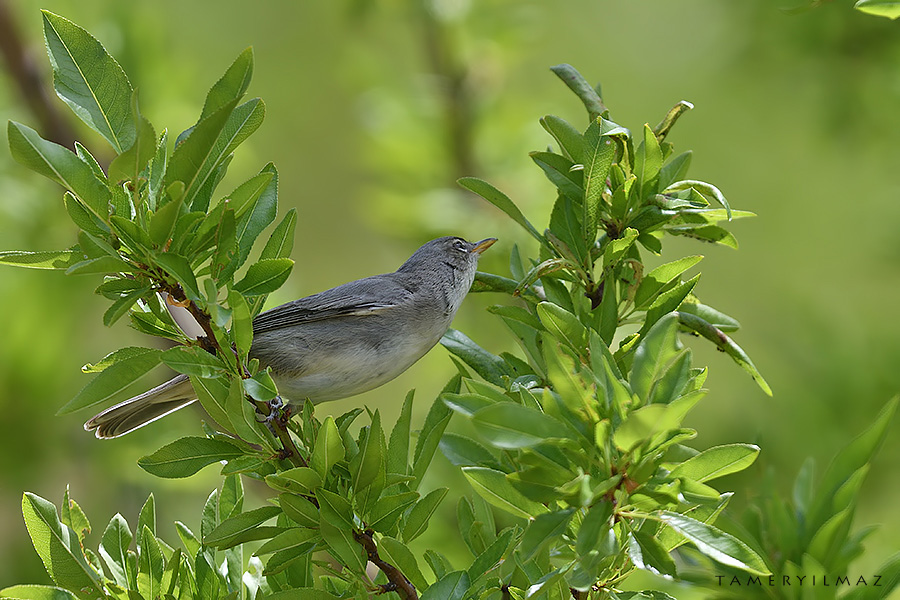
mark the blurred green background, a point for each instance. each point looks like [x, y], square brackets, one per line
[374, 109]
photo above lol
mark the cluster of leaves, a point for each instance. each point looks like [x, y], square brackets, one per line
[811, 534]
[148, 223]
[583, 444]
[353, 491]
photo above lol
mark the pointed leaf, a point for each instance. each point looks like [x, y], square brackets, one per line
[61, 165]
[90, 81]
[59, 548]
[599, 152]
[501, 201]
[493, 486]
[265, 276]
[717, 462]
[186, 456]
[329, 448]
[113, 380]
[716, 544]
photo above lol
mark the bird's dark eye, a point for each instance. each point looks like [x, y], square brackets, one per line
[459, 245]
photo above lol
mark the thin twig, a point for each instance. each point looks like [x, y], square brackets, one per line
[398, 581]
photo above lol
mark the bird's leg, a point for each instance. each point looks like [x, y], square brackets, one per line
[277, 420]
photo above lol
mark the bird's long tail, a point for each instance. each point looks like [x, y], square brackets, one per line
[139, 411]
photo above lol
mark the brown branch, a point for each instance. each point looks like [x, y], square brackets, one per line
[29, 81]
[452, 74]
[277, 423]
[397, 580]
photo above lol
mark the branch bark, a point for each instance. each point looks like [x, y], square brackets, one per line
[398, 581]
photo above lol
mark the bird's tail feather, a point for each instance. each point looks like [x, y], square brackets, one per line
[136, 412]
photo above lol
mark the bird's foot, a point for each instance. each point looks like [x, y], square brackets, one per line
[279, 413]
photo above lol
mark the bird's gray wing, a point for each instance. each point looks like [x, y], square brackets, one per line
[361, 297]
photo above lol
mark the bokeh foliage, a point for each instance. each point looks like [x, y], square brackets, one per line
[807, 102]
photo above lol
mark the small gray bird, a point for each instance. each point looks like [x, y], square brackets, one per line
[340, 342]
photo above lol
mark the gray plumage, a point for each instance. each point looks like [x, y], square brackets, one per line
[340, 342]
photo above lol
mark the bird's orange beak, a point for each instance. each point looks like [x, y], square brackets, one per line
[483, 245]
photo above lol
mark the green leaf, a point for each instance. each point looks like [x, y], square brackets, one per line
[563, 325]
[61, 165]
[509, 425]
[84, 218]
[369, 462]
[491, 367]
[157, 171]
[645, 422]
[299, 480]
[726, 345]
[647, 163]
[129, 165]
[151, 565]
[58, 259]
[716, 544]
[717, 461]
[36, 592]
[123, 304]
[265, 276]
[544, 529]
[162, 223]
[299, 509]
[417, 521]
[59, 548]
[646, 552]
[90, 81]
[114, 548]
[879, 8]
[329, 448]
[562, 173]
[675, 170]
[281, 242]
[462, 451]
[495, 488]
[213, 396]
[292, 538]
[147, 516]
[709, 314]
[492, 555]
[668, 301]
[432, 429]
[452, 586]
[398, 445]
[180, 270]
[261, 387]
[848, 461]
[657, 279]
[570, 140]
[186, 456]
[655, 352]
[708, 190]
[193, 360]
[257, 213]
[399, 555]
[599, 151]
[231, 86]
[195, 158]
[501, 201]
[113, 380]
[239, 525]
[243, 416]
[342, 546]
